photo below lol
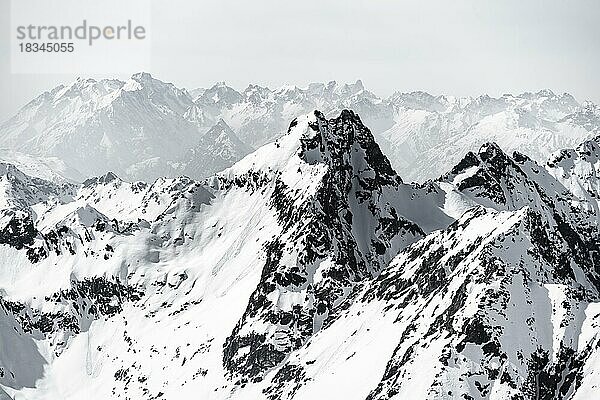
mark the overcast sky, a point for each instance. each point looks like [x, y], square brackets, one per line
[450, 47]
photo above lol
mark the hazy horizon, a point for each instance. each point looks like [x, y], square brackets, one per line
[463, 48]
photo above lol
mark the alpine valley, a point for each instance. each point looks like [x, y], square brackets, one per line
[285, 260]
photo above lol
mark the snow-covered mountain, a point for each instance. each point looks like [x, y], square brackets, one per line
[95, 126]
[136, 128]
[431, 134]
[216, 150]
[423, 135]
[307, 270]
[48, 168]
[259, 114]
[144, 128]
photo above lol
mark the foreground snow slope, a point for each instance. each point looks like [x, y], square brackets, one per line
[307, 270]
[111, 272]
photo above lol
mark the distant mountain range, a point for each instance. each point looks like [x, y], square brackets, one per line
[144, 128]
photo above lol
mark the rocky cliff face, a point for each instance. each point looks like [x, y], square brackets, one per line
[334, 238]
[309, 269]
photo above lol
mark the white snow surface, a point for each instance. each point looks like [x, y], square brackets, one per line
[308, 269]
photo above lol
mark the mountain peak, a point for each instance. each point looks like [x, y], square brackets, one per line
[490, 150]
[81, 82]
[329, 181]
[103, 179]
[143, 80]
[221, 123]
[219, 129]
[220, 94]
[220, 86]
[545, 93]
[108, 177]
[339, 138]
[216, 150]
[314, 139]
[142, 76]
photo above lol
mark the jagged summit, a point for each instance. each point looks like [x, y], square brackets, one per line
[106, 178]
[142, 76]
[338, 136]
[314, 138]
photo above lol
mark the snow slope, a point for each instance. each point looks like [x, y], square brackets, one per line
[308, 269]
